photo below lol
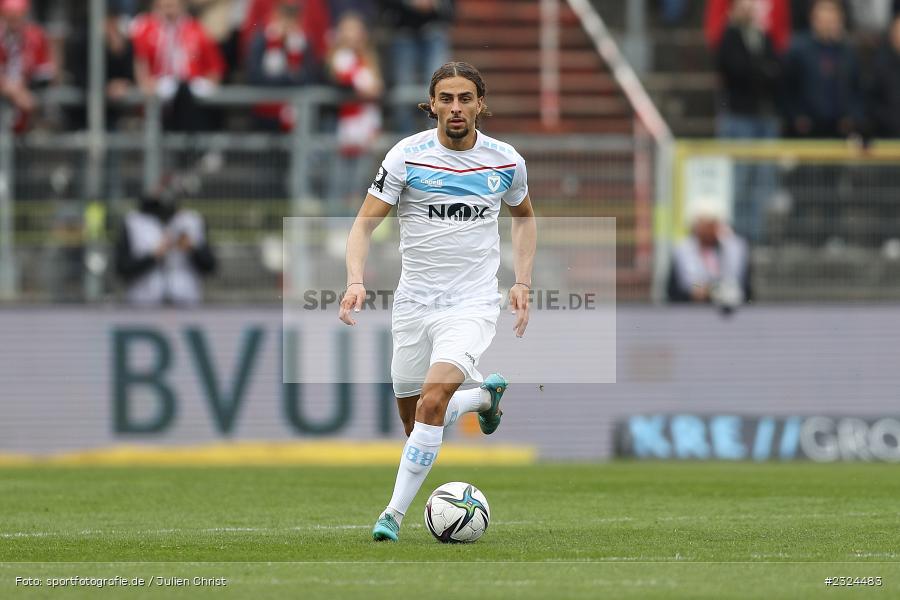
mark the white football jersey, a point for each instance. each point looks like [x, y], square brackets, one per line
[448, 204]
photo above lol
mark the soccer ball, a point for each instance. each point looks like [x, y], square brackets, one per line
[457, 512]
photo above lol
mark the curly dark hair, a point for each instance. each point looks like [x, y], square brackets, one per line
[457, 69]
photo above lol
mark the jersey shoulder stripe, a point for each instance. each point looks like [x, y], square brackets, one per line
[416, 147]
[478, 183]
[480, 168]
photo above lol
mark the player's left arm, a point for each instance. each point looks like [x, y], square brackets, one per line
[524, 239]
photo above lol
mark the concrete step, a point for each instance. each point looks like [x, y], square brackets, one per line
[582, 60]
[679, 104]
[515, 36]
[667, 82]
[612, 12]
[507, 11]
[570, 106]
[528, 83]
[503, 124]
[681, 51]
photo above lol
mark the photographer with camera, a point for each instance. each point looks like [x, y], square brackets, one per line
[163, 252]
[712, 265]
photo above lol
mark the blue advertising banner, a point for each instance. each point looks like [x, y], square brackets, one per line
[732, 437]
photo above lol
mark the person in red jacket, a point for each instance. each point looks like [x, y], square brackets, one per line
[25, 58]
[772, 16]
[176, 60]
[281, 56]
[313, 16]
[353, 66]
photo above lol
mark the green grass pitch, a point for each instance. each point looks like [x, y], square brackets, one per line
[618, 530]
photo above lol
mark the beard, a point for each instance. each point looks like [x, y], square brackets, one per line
[456, 134]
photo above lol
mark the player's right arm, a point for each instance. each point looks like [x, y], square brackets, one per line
[371, 214]
[383, 194]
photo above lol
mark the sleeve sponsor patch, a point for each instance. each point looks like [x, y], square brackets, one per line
[378, 182]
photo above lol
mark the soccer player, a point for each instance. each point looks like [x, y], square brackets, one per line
[448, 184]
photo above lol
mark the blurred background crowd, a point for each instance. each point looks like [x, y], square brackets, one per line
[180, 49]
[800, 68]
[806, 224]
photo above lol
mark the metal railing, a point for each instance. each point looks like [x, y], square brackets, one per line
[822, 216]
[243, 182]
[305, 102]
[649, 119]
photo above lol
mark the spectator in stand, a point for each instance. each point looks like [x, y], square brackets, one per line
[57, 18]
[129, 8]
[162, 253]
[771, 16]
[222, 19]
[353, 65]
[313, 18]
[750, 73]
[823, 96]
[25, 59]
[800, 11]
[119, 58]
[884, 93]
[280, 55]
[672, 11]
[869, 21]
[713, 263]
[870, 17]
[367, 9]
[419, 46]
[176, 60]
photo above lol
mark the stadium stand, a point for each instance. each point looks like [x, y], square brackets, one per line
[503, 39]
[824, 210]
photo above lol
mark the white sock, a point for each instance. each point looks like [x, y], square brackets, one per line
[463, 401]
[419, 454]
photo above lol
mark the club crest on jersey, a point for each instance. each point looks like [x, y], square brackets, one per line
[456, 212]
[493, 182]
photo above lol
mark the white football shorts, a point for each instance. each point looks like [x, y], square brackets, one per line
[424, 335]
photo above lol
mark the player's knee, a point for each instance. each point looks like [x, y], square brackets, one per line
[430, 409]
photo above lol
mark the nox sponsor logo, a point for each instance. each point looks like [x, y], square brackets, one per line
[456, 212]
